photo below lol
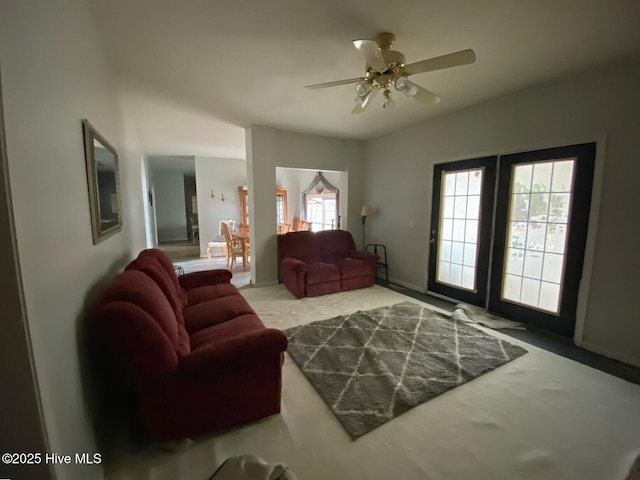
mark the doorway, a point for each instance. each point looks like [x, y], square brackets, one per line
[521, 255]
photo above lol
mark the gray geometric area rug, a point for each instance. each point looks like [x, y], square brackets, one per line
[372, 366]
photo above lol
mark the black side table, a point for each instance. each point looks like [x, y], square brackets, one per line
[382, 262]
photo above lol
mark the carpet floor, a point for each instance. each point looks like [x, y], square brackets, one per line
[540, 417]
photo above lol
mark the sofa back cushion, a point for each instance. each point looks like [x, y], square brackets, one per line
[152, 268]
[303, 246]
[335, 245]
[167, 265]
[137, 316]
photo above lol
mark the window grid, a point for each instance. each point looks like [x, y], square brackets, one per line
[535, 267]
[457, 240]
[321, 211]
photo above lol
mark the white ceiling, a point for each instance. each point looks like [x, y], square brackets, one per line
[194, 73]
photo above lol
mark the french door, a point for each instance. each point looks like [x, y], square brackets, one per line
[532, 271]
[460, 239]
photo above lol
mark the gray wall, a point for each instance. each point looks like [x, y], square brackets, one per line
[223, 176]
[50, 81]
[601, 105]
[171, 217]
[268, 148]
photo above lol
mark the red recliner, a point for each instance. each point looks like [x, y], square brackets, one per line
[313, 264]
[199, 356]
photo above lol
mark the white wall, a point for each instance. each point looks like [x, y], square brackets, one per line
[268, 148]
[289, 178]
[171, 216]
[54, 74]
[223, 176]
[20, 416]
[602, 103]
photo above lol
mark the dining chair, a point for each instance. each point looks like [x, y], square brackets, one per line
[195, 229]
[303, 226]
[300, 225]
[234, 247]
[283, 228]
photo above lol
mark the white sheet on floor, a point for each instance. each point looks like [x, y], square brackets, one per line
[472, 314]
[540, 417]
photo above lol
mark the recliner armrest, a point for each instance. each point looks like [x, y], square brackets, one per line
[294, 264]
[236, 352]
[192, 280]
[367, 256]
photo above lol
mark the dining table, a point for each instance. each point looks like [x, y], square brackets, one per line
[242, 236]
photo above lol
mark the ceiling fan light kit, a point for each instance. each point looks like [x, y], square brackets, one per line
[403, 85]
[388, 102]
[364, 88]
[385, 67]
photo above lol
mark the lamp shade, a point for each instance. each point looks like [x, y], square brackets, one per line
[366, 211]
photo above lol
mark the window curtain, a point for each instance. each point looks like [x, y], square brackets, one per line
[325, 185]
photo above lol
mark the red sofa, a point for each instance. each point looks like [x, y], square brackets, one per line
[317, 263]
[199, 356]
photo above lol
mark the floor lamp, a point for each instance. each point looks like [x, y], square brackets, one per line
[364, 213]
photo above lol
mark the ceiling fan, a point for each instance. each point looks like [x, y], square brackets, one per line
[386, 67]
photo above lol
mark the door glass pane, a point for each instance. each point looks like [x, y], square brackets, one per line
[540, 204]
[515, 261]
[458, 236]
[473, 206]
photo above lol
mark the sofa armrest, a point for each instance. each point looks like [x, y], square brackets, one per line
[232, 353]
[293, 273]
[366, 256]
[371, 259]
[192, 280]
[294, 265]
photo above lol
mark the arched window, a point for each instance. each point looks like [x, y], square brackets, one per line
[320, 204]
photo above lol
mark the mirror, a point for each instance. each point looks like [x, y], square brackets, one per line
[104, 184]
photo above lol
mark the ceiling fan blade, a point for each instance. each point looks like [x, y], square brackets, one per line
[360, 108]
[425, 96]
[336, 83]
[371, 53]
[463, 57]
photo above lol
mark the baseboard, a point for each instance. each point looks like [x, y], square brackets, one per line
[266, 284]
[628, 359]
[407, 285]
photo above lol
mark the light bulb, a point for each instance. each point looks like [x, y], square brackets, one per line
[363, 88]
[411, 90]
[403, 84]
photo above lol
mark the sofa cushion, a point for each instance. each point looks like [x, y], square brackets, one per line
[335, 245]
[165, 262]
[301, 245]
[153, 269]
[322, 272]
[240, 325]
[138, 289]
[137, 337]
[213, 312]
[350, 268]
[210, 292]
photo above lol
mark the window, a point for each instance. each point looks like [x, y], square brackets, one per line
[322, 211]
[281, 206]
